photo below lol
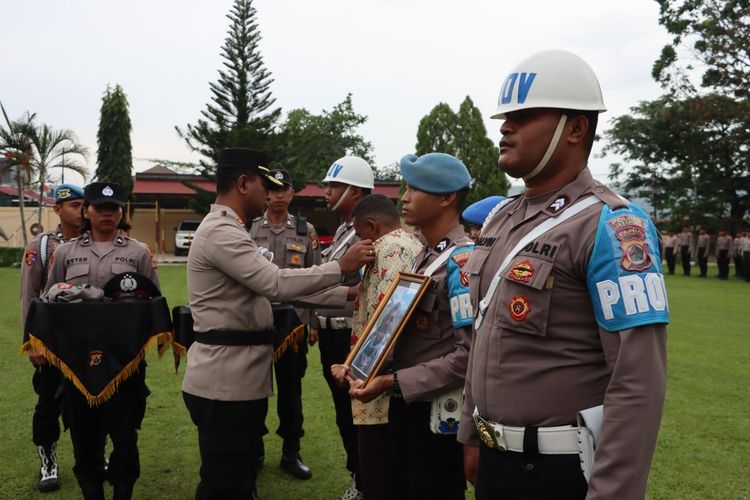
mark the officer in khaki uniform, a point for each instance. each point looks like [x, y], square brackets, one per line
[100, 253]
[294, 245]
[230, 285]
[430, 357]
[570, 309]
[723, 245]
[47, 379]
[670, 241]
[685, 242]
[702, 244]
[737, 246]
[348, 180]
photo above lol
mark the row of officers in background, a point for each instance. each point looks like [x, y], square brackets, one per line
[698, 249]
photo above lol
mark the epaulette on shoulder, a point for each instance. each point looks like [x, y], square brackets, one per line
[613, 200]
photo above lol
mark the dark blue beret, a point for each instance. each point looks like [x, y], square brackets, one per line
[436, 173]
[477, 212]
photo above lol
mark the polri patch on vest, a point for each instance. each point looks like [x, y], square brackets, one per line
[631, 232]
[519, 307]
[522, 271]
[422, 323]
[30, 257]
[540, 249]
[95, 358]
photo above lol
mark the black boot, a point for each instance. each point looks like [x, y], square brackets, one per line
[48, 478]
[123, 491]
[293, 464]
[92, 491]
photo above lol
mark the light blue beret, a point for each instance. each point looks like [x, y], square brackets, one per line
[436, 173]
[67, 192]
[477, 212]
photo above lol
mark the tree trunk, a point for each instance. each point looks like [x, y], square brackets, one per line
[21, 204]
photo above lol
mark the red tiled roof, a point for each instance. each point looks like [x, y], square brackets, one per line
[13, 191]
[163, 186]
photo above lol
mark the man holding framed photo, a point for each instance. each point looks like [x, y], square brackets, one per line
[430, 357]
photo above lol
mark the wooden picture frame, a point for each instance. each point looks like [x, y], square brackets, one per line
[386, 324]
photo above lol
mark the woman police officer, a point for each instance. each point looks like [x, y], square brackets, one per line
[104, 251]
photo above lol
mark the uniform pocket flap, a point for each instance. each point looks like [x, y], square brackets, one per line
[76, 271]
[121, 267]
[476, 261]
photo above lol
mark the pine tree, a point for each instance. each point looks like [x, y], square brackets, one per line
[241, 112]
[114, 156]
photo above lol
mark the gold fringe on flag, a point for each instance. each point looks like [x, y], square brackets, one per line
[291, 340]
[179, 351]
[161, 339]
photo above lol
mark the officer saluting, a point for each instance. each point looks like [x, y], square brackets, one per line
[571, 308]
[230, 284]
[294, 245]
[47, 378]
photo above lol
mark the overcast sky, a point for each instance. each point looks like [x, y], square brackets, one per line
[398, 58]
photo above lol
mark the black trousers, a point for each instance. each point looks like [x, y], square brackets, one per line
[509, 475]
[334, 348]
[425, 465]
[671, 258]
[722, 261]
[739, 265]
[685, 258]
[703, 260]
[120, 418]
[230, 435]
[375, 461]
[290, 369]
[45, 427]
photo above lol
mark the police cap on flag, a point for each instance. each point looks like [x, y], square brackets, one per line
[247, 159]
[100, 193]
[130, 285]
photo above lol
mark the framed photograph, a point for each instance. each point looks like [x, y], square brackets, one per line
[386, 324]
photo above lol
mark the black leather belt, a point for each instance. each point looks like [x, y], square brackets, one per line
[236, 337]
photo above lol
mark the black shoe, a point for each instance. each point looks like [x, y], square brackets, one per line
[92, 491]
[123, 491]
[48, 478]
[296, 467]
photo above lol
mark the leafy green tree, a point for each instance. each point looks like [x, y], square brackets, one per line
[464, 136]
[241, 112]
[16, 147]
[687, 151]
[114, 156]
[310, 143]
[55, 149]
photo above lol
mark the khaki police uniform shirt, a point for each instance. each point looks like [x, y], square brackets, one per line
[431, 355]
[723, 243]
[703, 241]
[81, 261]
[230, 286]
[539, 355]
[35, 267]
[291, 250]
[669, 241]
[685, 239]
[331, 254]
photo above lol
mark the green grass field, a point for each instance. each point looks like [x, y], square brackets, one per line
[702, 453]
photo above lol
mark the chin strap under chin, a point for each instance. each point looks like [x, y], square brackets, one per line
[550, 149]
[343, 197]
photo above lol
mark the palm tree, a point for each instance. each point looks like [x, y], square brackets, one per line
[49, 151]
[17, 148]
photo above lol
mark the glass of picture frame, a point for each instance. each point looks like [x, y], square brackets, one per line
[385, 325]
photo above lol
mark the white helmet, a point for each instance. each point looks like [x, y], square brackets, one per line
[550, 79]
[351, 170]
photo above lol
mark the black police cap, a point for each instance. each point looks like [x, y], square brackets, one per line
[246, 159]
[283, 176]
[130, 285]
[99, 193]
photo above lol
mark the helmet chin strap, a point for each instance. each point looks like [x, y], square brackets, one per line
[343, 197]
[550, 149]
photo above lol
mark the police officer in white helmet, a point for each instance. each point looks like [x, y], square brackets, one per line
[567, 369]
[349, 179]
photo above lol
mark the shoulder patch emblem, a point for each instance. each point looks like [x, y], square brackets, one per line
[461, 258]
[422, 323]
[522, 271]
[313, 239]
[558, 204]
[631, 231]
[30, 257]
[519, 307]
